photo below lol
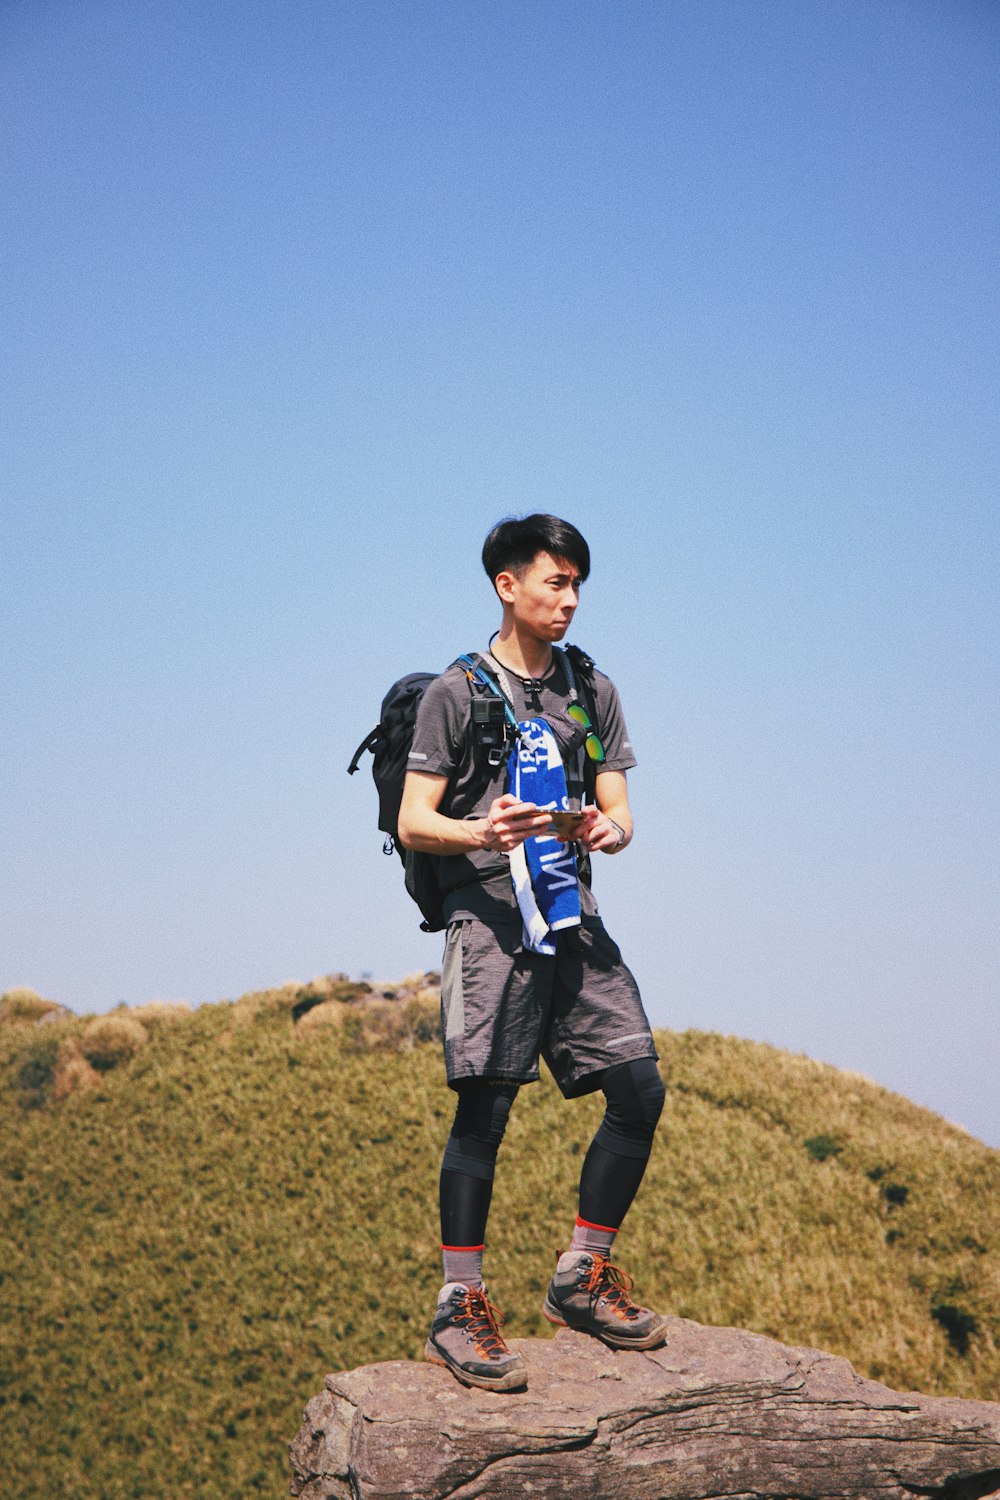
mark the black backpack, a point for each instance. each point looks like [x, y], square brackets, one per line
[494, 727]
[389, 743]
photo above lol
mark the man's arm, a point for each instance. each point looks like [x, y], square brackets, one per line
[609, 825]
[422, 826]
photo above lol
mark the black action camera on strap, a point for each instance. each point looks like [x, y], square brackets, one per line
[489, 728]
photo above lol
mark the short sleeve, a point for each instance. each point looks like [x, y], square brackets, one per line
[618, 753]
[441, 728]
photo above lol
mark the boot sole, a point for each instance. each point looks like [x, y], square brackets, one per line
[514, 1380]
[649, 1341]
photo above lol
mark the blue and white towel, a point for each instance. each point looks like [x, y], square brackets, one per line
[543, 868]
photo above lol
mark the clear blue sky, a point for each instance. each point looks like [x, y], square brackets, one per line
[299, 298]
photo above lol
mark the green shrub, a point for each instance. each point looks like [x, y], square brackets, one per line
[959, 1324]
[423, 1018]
[36, 1067]
[347, 990]
[822, 1147]
[329, 987]
[22, 1004]
[391, 1026]
[327, 1013]
[73, 1071]
[110, 1040]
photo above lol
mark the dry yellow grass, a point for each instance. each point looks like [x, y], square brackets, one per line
[160, 1010]
[249, 1200]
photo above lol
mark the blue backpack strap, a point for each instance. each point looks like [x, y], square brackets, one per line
[476, 672]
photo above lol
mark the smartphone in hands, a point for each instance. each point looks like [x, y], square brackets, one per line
[566, 825]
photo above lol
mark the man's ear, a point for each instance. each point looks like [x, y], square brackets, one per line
[504, 585]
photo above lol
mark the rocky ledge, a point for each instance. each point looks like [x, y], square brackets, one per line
[717, 1412]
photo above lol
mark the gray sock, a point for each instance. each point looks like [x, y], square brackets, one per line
[463, 1263]
[597, 1238]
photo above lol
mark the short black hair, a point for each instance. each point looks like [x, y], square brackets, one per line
[514, 543]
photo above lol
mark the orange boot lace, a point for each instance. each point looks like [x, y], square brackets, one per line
[614, 1284]
[482, 1321]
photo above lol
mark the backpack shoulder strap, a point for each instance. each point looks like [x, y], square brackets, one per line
[492, 733]
[579, 669]
[368, 743]
[578, 664]
[476, 672]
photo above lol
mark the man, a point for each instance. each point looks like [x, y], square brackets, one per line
[529, 968]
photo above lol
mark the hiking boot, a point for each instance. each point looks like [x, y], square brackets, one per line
[465, 1338]
[590, 1294]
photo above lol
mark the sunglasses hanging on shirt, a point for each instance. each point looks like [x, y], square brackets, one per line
[594, 748]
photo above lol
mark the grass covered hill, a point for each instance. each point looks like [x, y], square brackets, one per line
[204, 1211]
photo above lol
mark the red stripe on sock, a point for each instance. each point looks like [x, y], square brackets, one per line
[465, 1248]
[605, 1228]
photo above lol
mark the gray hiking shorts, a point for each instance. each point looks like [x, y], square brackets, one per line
[503, 1006]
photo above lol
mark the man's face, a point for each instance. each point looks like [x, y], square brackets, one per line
[544, 598]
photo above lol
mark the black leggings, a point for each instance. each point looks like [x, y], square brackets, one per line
[481, 1116]
[612, 1169]
[614, 1165]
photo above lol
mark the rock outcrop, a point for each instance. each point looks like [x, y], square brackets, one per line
[717, 1412]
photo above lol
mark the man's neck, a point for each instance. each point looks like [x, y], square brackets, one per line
[524, 655]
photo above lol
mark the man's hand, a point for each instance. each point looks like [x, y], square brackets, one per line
[599, 833]
[510, 821]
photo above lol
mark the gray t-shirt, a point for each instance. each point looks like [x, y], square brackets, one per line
[478, 884]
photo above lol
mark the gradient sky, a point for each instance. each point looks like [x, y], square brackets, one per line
[298, 299]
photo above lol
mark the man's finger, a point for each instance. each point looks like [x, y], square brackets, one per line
[524, 813]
